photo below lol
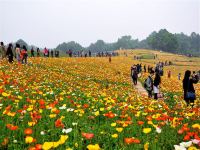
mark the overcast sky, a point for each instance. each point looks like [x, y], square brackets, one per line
[50, 22]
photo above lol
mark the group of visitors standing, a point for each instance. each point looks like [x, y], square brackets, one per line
[152, 84]
[47, 53]
[159, 68]
[19, 53]
[135, 70]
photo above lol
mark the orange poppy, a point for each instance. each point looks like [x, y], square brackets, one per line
[131, 140]
[28, 131]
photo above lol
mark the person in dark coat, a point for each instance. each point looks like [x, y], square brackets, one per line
[188, 86]
[144, 68]
[156, 84]
[9, 53]
[38, 52]
[134, 74]
[110, 59]
[149, 84]
[32, 52]
[90, 53]
[52, 53]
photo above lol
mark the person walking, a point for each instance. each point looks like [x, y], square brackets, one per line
[32, 52]
[188, 87]
[90, 53]
[169, 74]
[2, 51]
[18, 52]
[179, 76]
[148, 84]
[45, 52]
[156, 86]
[24, 54]
[145, 68]
[110, 59]
[134, 74]
[38, 52]
[52, 53]
[9, 53]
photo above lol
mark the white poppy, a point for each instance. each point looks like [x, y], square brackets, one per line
[67, 130]
[186, 144]
[74, 123]
[14, 141]
[158, 130]
[62, 107]
[70, 109]
[178, 147]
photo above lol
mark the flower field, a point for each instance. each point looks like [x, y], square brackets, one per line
[89, 103]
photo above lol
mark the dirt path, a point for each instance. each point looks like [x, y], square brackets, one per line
[140, 89]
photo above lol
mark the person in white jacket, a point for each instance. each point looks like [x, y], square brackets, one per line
[156, 84]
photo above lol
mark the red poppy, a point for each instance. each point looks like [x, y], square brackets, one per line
[88, 135]
[85, 105]
[186, 138]
[185, 128]
[196, 137]
[110, 115]
[38, 146]
[190, 133]
[129, 118]
[58, 123]
[140, 122]
[41, 102]
[1, 91]
[11, 127]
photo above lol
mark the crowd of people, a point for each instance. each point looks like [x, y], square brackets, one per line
[20, 52]
[152, 84]
[84, 53]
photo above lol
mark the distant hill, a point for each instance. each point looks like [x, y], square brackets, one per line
[163, 40]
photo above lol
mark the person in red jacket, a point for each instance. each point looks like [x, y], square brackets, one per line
[24, 55]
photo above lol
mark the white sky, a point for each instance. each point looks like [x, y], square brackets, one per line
[51, 22]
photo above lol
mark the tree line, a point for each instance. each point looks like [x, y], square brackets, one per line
[162, 40]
